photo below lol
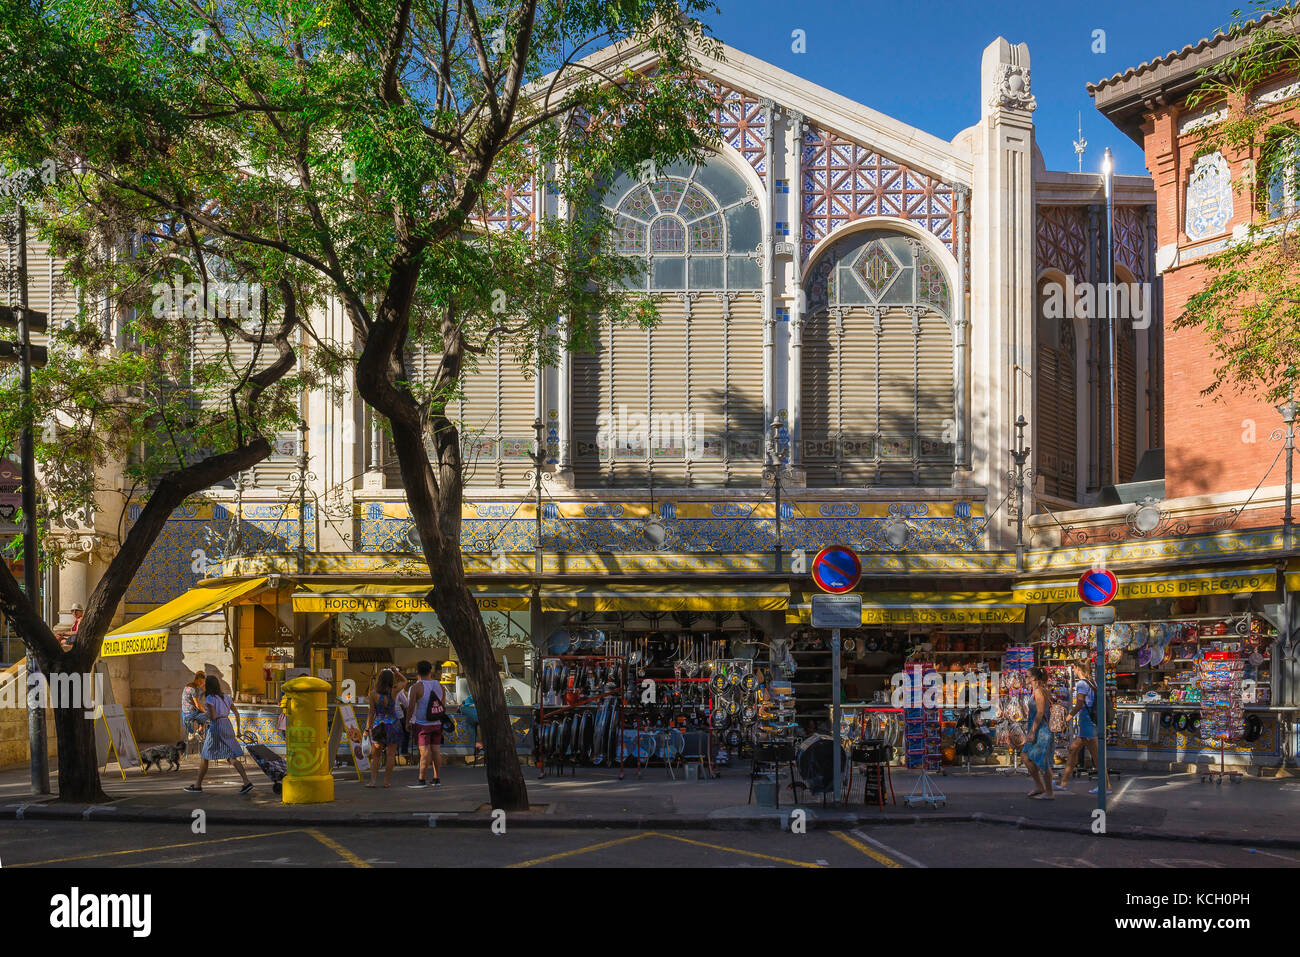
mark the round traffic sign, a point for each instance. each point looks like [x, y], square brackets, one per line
[1098, 586]
[836, 569]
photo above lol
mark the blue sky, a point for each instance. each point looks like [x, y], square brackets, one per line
[919, 62]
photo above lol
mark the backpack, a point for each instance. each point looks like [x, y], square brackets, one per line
[1092, 705]
[433, 708]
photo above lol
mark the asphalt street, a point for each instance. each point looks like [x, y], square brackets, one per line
[92, 845]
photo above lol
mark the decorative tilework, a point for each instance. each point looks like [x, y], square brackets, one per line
[1062, 241]
[1209, 197]
[1131, 240]
[191, 541]
[742, 121]
[843, 182]
[734, 528]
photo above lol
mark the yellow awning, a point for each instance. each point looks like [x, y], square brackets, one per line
[352, 597]
[666, 597]
[1171, 584]
[1293, 575]
[148, 633]
[928, 608]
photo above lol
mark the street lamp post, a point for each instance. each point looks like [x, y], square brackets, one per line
[774, 469]
[1020, 454]
[1107, 171]
[1288, 412]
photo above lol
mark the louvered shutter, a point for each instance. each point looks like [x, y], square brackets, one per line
[856, 387]
[590, 385]
[935, 424]
[630, 395]
[746, 429]
[1127, 353]
[898, 399]
[710, 359]
[819, 399]
[668, 357]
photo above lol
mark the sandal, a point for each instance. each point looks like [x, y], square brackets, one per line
[1034, 794]
[1044, 796]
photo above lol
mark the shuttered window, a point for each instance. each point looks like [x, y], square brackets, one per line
[877, 399]
[1126, 361]
[1055, 434]
[680, 404]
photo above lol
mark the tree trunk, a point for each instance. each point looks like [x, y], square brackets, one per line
[78, 761]
[437, 517]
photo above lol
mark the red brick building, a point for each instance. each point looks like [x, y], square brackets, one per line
[1217, 450]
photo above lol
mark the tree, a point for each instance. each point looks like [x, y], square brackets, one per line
[1250, 307]
[369, 146]
[181, 418]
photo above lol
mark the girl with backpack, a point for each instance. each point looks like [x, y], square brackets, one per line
[1085, 706]
[384, 725]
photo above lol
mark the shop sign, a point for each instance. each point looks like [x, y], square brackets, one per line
[935, 615]
[836, 611]
[146, 644]
[1173, 585]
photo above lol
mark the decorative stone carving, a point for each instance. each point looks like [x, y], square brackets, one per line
[1013, 90]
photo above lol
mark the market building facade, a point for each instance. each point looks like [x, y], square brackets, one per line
[855, 316]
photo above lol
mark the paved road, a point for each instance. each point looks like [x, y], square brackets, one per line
[25, 844]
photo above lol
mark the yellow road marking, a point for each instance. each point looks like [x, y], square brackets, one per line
[737, 850]
[163, 847]
[672, 837]
[337, 848]
[871, 852]
[581, 850]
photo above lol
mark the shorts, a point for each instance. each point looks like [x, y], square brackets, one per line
[428, 735]
[1087, 729]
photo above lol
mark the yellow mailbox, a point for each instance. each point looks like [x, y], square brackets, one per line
[306, 734]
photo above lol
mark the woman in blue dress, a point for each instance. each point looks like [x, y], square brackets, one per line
[1038, 749]
[220, 743]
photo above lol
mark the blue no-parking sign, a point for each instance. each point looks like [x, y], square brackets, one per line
[1098, 586]
[836, 569]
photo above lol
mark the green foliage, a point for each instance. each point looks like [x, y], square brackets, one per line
[1250, 307]
[329, 143]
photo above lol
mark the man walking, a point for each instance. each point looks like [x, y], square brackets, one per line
[424, 720]
[1085, 706]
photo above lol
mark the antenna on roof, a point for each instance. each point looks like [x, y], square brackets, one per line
[1080, 145]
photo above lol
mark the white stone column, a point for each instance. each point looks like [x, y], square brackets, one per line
[1002, 280]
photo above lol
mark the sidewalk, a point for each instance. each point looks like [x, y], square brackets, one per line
[1253, 811]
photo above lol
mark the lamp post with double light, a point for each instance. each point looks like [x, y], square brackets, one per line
[772, 469]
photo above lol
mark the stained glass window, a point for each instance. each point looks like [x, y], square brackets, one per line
[690, 210]
[631, 236]
[706, 235]
[667, 235]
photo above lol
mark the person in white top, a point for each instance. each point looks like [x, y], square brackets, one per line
[424, 721]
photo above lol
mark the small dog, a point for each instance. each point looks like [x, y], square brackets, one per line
[171, 753]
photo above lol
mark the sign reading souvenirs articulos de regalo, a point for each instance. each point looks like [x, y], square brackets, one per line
[1172, 585]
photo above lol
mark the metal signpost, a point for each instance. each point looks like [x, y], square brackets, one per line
[836, 570]
[1097, 589]
[24, 322]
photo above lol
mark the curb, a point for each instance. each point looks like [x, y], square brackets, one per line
[774, 821]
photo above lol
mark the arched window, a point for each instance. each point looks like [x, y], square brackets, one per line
[877, 404]
[1280, 166]
[680, 404]
[1055, 434]
[698, 226]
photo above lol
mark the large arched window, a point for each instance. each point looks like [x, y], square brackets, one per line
[1056, 434]
[680, 404]
[697, 226]
[877, 401]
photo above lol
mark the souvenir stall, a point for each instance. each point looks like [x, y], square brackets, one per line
[1187, 689]
[630, 690]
